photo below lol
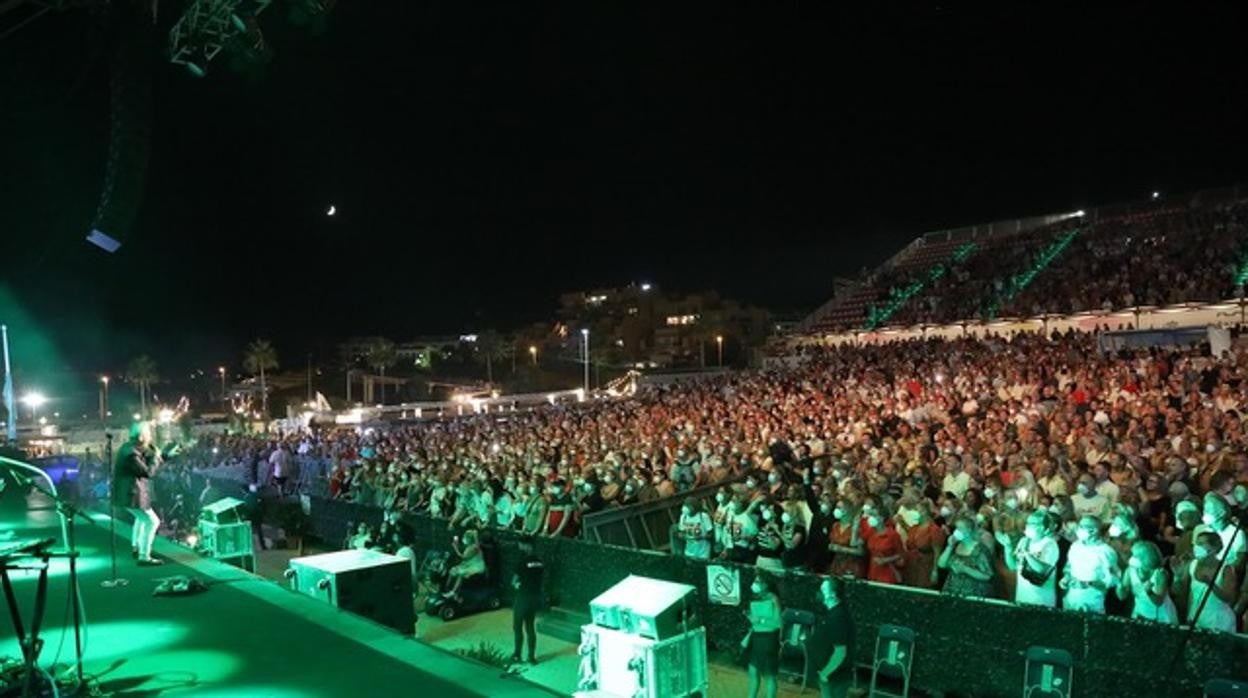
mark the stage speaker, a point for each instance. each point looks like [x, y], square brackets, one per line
[374, 585]
[651, 608]
[222, 511]
[227, 540]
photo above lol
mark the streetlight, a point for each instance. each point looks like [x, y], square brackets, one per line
[221, 372]
[719, 344]
[103, 397]
[585, 348]
[34, 400]
[533, 353]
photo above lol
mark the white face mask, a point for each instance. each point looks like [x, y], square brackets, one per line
[874, 521]
[990, 493]
[1083, 534]
[1200, 552]
[766, 515]
[1011, 503]
[1207, 519]
[911, 518]
[786, 517]
[1115, 530]
[838, 513]
[1083, 489]
[686, 511]
[825, 509]
[1134, 563]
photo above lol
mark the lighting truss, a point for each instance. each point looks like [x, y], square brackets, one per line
[207, 26]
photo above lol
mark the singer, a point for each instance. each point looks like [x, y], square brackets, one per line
[136, 462]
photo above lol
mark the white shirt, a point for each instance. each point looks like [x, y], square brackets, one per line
[1097, 505]
[697, 529]
[1109, 490]
[1045, 552]
[957, 484]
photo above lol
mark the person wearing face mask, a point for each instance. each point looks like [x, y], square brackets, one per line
[885, 551]
[770, 539]
[1146, 584]
[1211, 582]
[968, 561]
[762, 643]
[536, 510]
[818, 556]
[1035, 558]
[925, 541]
[743, 533]
[1091, 569]
[695, 529]
[1123, 532]
[793, 536]
[1216, 517]
[1087, 501]
[830, 645]
[849, 553]
[559, 511]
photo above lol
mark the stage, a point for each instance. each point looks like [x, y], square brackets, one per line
[245, 636]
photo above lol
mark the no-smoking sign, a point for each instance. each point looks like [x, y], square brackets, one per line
[723, 585]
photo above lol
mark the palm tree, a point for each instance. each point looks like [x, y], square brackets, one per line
[381, 355]
[489, 348]
[141, 374]
[260, 357]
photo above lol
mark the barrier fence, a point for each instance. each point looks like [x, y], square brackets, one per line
[964, 646]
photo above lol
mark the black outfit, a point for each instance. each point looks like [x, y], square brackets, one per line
[833, 628]
[528, 599]
[130, 477]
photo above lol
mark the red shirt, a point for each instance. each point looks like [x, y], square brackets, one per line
[886, 543]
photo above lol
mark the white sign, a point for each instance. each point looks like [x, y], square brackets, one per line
[723, 585]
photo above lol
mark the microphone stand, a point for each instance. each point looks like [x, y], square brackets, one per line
[114, 581]
[70, 512]
[1238, 516]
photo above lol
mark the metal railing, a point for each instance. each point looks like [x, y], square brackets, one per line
[645, 525]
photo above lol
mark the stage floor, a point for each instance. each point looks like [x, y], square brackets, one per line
[245, 636]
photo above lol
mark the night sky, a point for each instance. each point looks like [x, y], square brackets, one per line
[484, 158]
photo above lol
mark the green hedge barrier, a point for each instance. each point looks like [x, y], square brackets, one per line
[964, 647]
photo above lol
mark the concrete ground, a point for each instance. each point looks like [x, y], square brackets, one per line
[557, 660]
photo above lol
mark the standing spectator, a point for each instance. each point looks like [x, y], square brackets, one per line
[1091, 569]
[695, 529]
[924, 543]
[1035, 558]
[1211, 583]
[885, 552]
[968, 561]
[849, 553]
[1146, 584]
[527, 582]
[559, 514]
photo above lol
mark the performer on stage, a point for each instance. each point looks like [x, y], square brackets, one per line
[136, 461]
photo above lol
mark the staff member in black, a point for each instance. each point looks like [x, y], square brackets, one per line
[135, 463]
[528, 584]
[830, 646]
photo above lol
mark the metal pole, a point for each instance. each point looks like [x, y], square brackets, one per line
[10, 429]
[585, 348]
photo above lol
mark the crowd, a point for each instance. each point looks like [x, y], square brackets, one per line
[1030, 469]
[1153, 257]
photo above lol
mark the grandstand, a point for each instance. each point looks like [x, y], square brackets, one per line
[1157, 252]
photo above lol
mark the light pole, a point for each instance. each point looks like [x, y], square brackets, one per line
[585, 348]
[34, 401]
[719, 345]
[533, 353]
[103, 398]
[221, 372]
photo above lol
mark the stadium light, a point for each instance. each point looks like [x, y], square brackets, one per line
[1080, 213]
[1156, 195]
[645, 287]
[34, 400]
